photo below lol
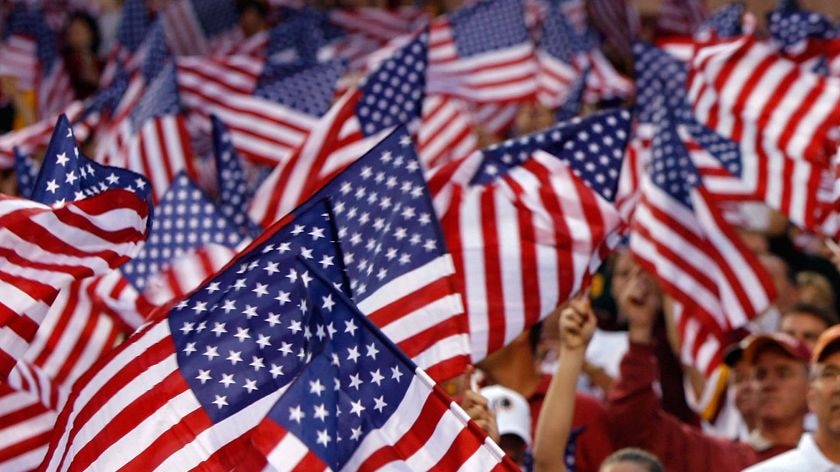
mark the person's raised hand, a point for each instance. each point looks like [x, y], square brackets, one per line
[577, 323]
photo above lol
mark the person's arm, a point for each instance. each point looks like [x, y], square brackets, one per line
[577, 324]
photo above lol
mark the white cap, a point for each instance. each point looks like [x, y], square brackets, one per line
[513, 415]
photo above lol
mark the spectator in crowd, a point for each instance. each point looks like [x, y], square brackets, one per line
[516, 367]
[778, 363]
[815, 289]
[81, 46]
[576, 326]
[513, 420]
[820, 450]
[631, 459]
[253, 16]
[806, 322]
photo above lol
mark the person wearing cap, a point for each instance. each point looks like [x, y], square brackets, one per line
[513, 421]
[818, 451]
[779, 367]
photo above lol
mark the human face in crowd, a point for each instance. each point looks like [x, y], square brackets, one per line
[781, 386]
[803, 326]
[786, 294]
[745, 393]
[622, 267]
[824, 395]
[624, 466]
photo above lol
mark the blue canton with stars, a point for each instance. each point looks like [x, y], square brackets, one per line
[671, 168]
[488, 25]
[67, 175]
[309, 90]
[293, 45]
[725, 22]
[661, 83]
[134, 24]
[26, 172]
[186, 219]
[393, 93]
[159, 99]
[573, 104]
[356, 381]
[31, 23]
[383, 214]
[157, 52]
[559, 37]
[215, 16]
[248, 332]
[791, 28]
[234, 193]
[593, 147]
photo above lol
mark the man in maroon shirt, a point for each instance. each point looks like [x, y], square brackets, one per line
[779, 366]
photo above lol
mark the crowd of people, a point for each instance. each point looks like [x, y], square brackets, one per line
[601, 384]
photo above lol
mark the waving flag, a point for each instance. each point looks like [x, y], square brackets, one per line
[46, 249]
[234, 192]
[247, 328]
[360, 404]
[154, 138]
[390, 96]
[400, 274]
[780, 116]
[26, 171]
[196, 27]
[186, 220]
[268, 120]
[680, 235]
[482, 53]
[529, 220]
[52, 84]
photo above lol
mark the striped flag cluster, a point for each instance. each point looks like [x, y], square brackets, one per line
[382, 410]
[390, 95]
[256, 312]
[780, 116]
[529, 220]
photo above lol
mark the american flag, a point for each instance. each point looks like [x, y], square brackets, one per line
[67, 175]
[726, 22]
[269, 122]
[153, 139]
[572, 105]
[19, 58]
[356, 33]
[791, 30]
[186, 220]
[390, 96]
[399, 271]
[197, 27]
[564, 53]
[529, 222]
[131, 34]
[482, 53]
[26, 171]
[681, 17]
[559, 53]
[80, 239]
[360, 404]
[292, 45]
[679, 234]
[53, 88]
[231, 181]
[26, 427]
[780, 116]
[446, 132]
[244, 332]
